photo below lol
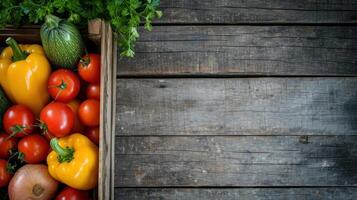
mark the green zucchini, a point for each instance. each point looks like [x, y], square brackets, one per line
[62, 42]
[4, 104]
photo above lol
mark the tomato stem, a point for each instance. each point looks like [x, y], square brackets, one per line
[85, 61]
[63, 85]
[18, 54]
[64, 154]
[11, 168]
[42, 126]
[16, 130]
[15, 161]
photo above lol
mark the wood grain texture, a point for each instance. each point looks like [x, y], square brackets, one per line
[95, 31]
[248, 106]
[28, 35]
[257, 11]
[236, 161]
[107, 115]
[238, 194]
[244, 50]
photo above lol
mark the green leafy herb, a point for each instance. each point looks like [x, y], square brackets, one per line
[125, 16]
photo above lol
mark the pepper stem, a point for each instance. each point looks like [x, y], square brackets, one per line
[18, 54]
[64, 154]
[52, 21]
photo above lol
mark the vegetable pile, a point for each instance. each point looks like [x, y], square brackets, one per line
[50, 107]
[123, 15]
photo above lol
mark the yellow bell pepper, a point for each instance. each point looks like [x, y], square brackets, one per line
[74, 161]
[24, 70]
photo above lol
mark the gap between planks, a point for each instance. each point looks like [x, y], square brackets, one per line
[217, 75]
[233, 187]
[254, 24]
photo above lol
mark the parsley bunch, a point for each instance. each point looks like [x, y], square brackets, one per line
[124, 15]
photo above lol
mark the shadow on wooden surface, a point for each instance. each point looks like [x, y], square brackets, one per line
[257, 11]
[237, 106]
[236, 161]
[241, 193]
[244, 50]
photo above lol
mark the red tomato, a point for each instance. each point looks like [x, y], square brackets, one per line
[69, 193]
[93, 134]
[6, 144]
[18, 121]
[34, 147]
[5, 175]
[57, 118]
[89, 112]
[93, 91]
[63, 85]
[89, 68]
[78, 126]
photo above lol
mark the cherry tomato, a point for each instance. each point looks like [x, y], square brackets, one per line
[6, 144]
[93, 134]
[89, 68]
[93, 91]
[5, 175]
[63, 85]
[88, 112]
[57, 118]
[78, 126]
[69, 193]
[18, 121]
[34, 147]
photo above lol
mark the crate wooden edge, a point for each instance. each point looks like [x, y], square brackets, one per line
[107, 117]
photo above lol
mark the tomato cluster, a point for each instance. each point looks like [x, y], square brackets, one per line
[74, 108]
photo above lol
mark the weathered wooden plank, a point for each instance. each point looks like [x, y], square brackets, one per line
[244, 50]
[236, 161]
[248, 106]
[30, 34]
[238, 194]
[256, 11]
[107, 108]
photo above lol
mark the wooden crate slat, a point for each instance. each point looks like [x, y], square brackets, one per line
[234, 194]
[257, 11]
[29, 34]
[108, 99]
[233, 106]
[223, 161]
[244, 50]
[26, 35]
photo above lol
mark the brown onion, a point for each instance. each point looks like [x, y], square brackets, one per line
[32, 182]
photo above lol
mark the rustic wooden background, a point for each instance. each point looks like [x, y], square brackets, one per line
[237, 99]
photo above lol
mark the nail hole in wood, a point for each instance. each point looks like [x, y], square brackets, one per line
[304, 139]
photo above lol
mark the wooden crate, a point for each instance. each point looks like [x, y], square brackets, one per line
[99, 33]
